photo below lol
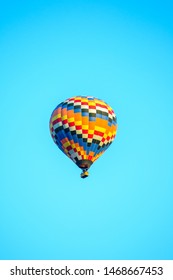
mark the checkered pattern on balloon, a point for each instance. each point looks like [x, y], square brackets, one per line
[83, 127]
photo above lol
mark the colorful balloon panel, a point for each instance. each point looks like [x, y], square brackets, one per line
[83, 127]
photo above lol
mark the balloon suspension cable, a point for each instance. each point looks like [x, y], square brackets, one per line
[85, 173]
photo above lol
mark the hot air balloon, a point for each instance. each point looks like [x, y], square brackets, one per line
[83, 127]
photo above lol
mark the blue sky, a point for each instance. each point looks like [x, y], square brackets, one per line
[121, 52]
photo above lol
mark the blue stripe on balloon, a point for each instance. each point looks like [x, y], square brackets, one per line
[104, 117]
[92, 119]
[75, 138]
[84, 145]
[77, 110]
[85, 114]
[69, 136]
[70, 107]
[80, 141]
[99, 115]
[93, 147]
[59, 135]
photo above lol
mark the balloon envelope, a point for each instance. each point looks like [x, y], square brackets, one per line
[83, 127]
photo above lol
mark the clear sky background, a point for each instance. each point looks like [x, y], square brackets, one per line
[118, 51]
